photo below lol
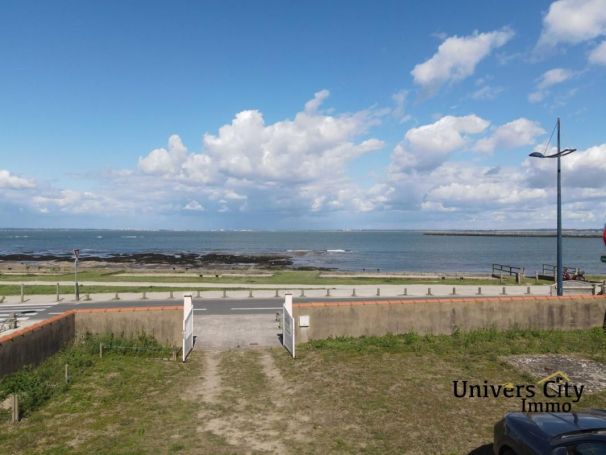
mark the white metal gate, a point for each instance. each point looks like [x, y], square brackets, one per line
[188, 325]
[288, 325]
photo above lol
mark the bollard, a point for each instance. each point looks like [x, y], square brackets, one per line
[58, 295]
[100, 350]
[15, 410]
[87, 298]
[1, 299]
[594, 290]
[116, 297]
[170, 295]
[327, 292]
[603, 287]
[302, 293]
[429, 291]
[224, 293]
[503, 292]
[405, 291]
[378, 292]
[454, 291]
[479, 291]
[528, 290]
[250, 294]
[144, 296]
[277, 293]
[66, 374]
[536, 277]
[501, 278]
[198, 294]
[22, 293]
[353, 292]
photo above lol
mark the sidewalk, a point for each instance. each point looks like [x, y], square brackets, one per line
[269, 291]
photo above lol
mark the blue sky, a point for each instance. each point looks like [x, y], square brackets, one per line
[285, 115]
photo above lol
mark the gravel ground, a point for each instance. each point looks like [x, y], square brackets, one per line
[580, 371]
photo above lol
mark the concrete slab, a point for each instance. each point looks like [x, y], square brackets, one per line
[236, 331]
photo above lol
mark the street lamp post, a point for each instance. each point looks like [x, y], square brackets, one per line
[76, 287]
[559, 154]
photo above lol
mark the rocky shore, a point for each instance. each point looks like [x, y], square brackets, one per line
[152, 260]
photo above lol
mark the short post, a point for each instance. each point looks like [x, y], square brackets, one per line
[594, 289]
[503, 292]
[429, 291]
[378, 292]
[327, 292]
[224, 293]
[170, 295]
[528, 290]
[198, 294]
[250, 294]
[58, 295]
[405, 292]
[479, 291]
[277, 293]
[144, 296]
[454, 291]
[603, 287]
[536, 277]
[66, 374]
[353, 292]
[501, 278]
[15, 410]
[302, 293]
[22, 293]
[1, 299]
[100, 350]
[116, 297]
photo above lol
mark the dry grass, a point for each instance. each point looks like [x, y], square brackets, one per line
[389, 395]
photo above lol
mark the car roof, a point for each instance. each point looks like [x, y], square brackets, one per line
[556, 424]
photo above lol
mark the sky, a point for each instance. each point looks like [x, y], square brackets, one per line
[301, 115]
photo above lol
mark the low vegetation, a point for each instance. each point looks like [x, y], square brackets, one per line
[375, 395]
[286, 277]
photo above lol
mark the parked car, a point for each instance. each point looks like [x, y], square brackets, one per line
[573, 433]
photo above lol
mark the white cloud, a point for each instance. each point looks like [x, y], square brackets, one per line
[427, 146]
[8, 180]
[548, 79]
[457, 58]
[250, 164]
[573, 21]
[193, 206]
[582, 169]
[163, 161]
[517, 133]
[598, 55]
[399, 111]
[554, 76]
[486, 92]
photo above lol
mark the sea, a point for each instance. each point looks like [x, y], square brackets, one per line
[370, 251]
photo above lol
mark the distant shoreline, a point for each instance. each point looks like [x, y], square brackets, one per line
[566, 233]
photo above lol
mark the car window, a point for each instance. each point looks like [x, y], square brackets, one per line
[588, 448]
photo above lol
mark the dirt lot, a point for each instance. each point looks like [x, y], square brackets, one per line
[370, 395]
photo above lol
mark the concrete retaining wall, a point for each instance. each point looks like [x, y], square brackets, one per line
[35, 343]
[165, 324]
[443, 316]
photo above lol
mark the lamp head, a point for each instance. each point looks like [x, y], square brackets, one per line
[537, 155]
